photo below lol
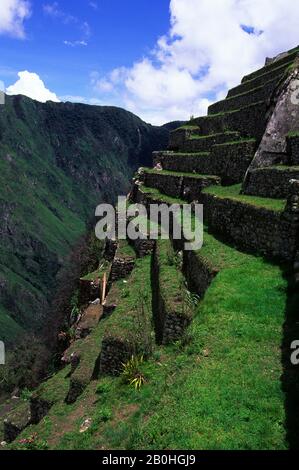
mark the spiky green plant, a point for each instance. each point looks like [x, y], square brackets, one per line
[131, 372]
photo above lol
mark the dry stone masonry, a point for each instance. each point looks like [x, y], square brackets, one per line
[242, 163]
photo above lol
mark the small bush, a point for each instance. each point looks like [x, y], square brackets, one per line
[131, 372]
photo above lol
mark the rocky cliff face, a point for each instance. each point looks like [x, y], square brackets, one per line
[57, 162]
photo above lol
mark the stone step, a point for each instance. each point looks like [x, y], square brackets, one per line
[183, 162]
[145, 195]
[83, 356]
[273, 182]
[172, 313]
[272, 66]
[186, 186]
[190, 139]
[275, 74]
[123, 263]
[16, 421]
[199, 143]
[180, 135]
[89, 320]
[230, 161]
[258, 225]
[249, 121]
[262, 93]
[128, 331]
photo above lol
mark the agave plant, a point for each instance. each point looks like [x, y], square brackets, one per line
[131, 372]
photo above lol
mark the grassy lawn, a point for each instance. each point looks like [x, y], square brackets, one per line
[131, 320]
[155, 194]
[176, 173]
[213, 136]
[125, 250]
[235, 142]
[233, 192]
[218, 388]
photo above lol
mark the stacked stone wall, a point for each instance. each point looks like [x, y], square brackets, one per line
[270, 182]
[262, 93]
[260, 230]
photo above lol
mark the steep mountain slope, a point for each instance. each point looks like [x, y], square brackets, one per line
[57, 163]
[204, 335]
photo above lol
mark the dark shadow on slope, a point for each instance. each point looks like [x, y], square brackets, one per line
[290, 376]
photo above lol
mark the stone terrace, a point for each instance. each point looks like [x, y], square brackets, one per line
[222, 161]
[219, 150]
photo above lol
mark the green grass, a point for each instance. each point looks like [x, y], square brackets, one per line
[249, 92]
[236, 142]
[104, 267]
[233, 192]
[218, 389]
[57, 164]
[131, 319]
[171, 280]
[271, 67]
[156, 195]
[211, 136]
[293, 134]
[228, 113]
[55, 388]
[176, 173]
[281, 67]
[125, 250]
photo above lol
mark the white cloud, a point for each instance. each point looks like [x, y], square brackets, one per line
[94, 5]
[30, 84]
[74, 98]
[206, 51]
[54, 11]
[82, 99]
[13, 13]
[75, 43]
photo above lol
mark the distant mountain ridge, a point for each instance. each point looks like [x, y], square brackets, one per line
[57, 162]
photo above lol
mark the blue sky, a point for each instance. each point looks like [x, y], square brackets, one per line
[161, 59]
[116, 33]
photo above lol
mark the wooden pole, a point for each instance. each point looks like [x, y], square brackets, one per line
[104, 287]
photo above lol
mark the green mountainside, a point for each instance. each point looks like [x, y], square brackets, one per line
[57, 163]
[188, 348]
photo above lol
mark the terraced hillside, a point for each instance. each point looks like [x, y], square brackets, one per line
[207, 333]
[58, 161]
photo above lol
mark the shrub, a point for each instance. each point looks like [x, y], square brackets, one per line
[131, 372]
